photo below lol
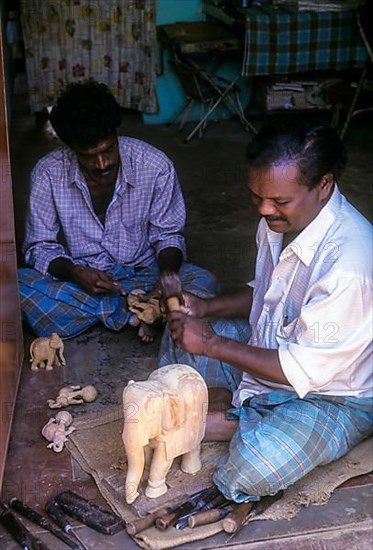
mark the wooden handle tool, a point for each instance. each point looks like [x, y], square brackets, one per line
[18, 531]
[210, 516]
[258, 508]
[236, 517]
[138, 525]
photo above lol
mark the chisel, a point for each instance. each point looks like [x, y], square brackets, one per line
[258, 508]
[209, 516]
[94, 516]
[236, 517]
[18, 531]
[140, 524]
[55, 512]
[37, 518]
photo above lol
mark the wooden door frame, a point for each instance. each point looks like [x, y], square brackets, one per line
[11, 340]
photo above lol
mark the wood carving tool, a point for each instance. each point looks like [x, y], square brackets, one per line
[236, 517]
[40, 520]
[138, 525]
[212, 499]
[182, 510]
[18, 531]
[55, 512]
[94, 516]
[172, 293]
[209, 516]
[258, 508]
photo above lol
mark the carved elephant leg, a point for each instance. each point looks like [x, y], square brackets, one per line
[136, 461]
[158, 471]
[62, 358]
[34, 365]
[191, 462]
[50, 361]
[148, 453]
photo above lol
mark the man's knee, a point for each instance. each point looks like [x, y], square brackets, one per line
[247, 482]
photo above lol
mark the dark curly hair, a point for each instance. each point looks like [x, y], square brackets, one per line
[315, 149]
[85, 114]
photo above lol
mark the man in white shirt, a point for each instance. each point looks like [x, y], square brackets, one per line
[305, 397]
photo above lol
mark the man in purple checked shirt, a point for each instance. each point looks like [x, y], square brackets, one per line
[106, 215]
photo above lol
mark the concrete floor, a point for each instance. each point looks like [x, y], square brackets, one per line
[220, 236]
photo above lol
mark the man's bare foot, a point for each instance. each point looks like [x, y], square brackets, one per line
[134, 321]
[218, 428]
[146, 333]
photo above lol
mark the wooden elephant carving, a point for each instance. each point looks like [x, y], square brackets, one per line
[164, 417]
[46, 352]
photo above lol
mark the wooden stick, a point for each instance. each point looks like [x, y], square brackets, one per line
[173, 303]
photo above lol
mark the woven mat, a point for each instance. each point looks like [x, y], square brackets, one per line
[97, 446]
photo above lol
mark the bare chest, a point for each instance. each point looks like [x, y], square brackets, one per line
[101, 198]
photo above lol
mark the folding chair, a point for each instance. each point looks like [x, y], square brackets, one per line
[365, 26]
[209, 90]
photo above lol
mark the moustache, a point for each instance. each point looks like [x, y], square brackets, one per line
[275, 219]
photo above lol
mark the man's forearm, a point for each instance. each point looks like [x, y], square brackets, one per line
[63, 269]
[170, 259]
[259, 362]
[231, 307]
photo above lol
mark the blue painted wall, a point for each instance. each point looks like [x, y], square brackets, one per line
[170, 94]
[170, 11]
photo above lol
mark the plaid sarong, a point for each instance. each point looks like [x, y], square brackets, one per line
[50, 305]
[282, 42]
[281, 438]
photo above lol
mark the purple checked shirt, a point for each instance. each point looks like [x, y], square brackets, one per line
[145, 216]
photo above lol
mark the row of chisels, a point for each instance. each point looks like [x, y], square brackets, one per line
[58, 509]
[202, 508]
[205, 507]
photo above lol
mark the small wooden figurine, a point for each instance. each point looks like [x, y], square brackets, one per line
[73, 395]
[57, 429]
[146, 311]
[46, 352]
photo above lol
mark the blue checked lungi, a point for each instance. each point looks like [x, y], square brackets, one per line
[280, 438]
[217, 374]
[281, 41]
[51, 305]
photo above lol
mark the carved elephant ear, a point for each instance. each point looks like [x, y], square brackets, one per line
[173, 414]
[55, 341]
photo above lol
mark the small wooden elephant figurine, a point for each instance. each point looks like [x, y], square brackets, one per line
[73, 395]
[164, 417]
[57, 429]
[46, 352]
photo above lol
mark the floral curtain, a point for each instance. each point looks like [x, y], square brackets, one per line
[111, 41]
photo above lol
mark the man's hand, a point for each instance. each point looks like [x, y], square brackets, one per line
[189, 333]
[90, 279]
[94, 281]
[192, 305]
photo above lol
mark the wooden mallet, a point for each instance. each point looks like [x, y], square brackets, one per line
[172, 292]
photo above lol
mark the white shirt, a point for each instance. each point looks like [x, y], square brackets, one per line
[313, 302]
